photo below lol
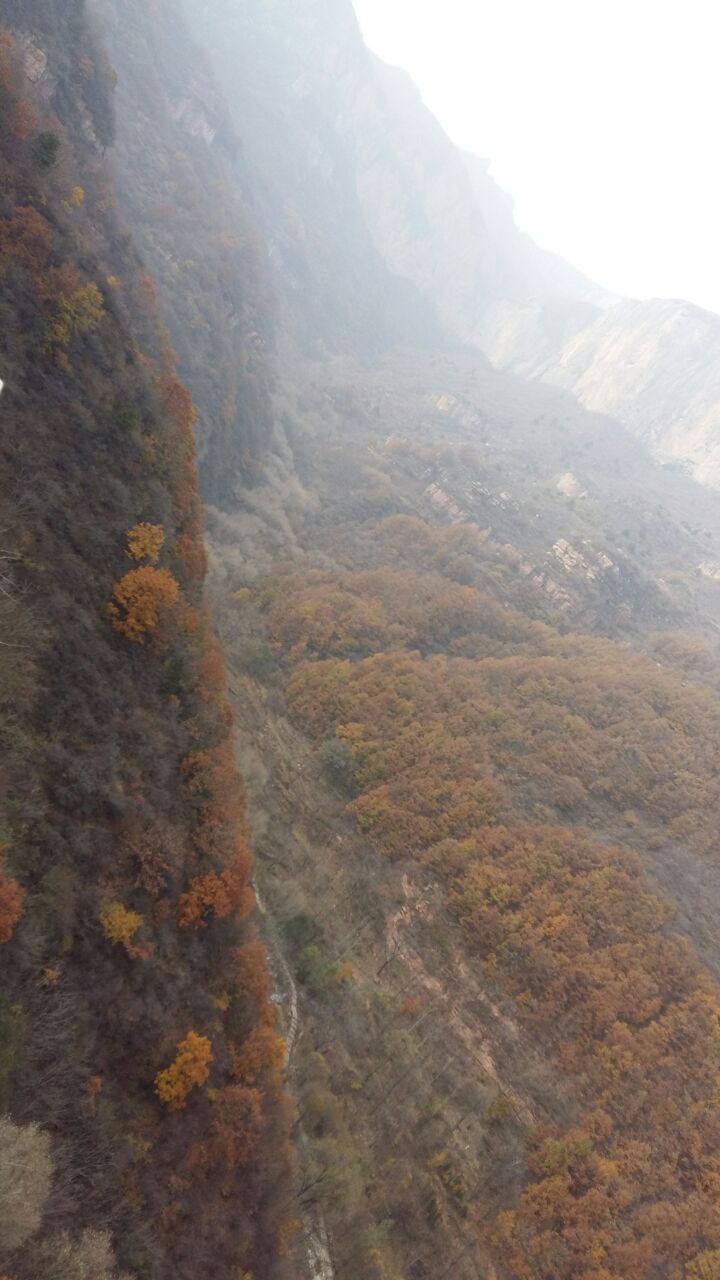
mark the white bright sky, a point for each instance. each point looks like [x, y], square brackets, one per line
[601, 117]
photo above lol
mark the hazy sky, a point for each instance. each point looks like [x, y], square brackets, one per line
[601, 117]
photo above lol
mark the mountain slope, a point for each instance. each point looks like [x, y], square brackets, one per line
[437, 220]
[433, 216]
[182, 189]
[466, 815]
[656, 367]
[138, 1058]
[472, 631]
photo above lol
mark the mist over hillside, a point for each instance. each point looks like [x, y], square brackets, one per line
[459, 1014]
[437, 220]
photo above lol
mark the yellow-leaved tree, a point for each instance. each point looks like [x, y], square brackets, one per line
[145, 542]
[121, 925]
[75, 199]
[190, 1068]
[75, 313]
[706, 1266]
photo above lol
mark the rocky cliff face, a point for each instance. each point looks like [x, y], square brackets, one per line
[383, 214]
[181, 184]
[440, 219]
[289, 73]
[384, 211]
[655, 366]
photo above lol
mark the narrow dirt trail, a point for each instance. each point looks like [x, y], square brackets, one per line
[317, 1242]
[290, 995]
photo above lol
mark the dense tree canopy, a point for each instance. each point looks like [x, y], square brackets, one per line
[474, 741]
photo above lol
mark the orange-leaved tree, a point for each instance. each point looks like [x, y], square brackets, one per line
[11, 900]
[25, 240]
[217, 895]
[250, 970]
[140, 601]
[190, 1068]
[262, 1052]
[145, 542]
[234, 1128]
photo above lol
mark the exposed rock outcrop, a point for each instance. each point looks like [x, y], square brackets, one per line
[421, 213]
[655, 366]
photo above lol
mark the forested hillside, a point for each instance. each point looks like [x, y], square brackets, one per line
[143, 1125]
[472, 687]
[504, 926]
[183, 186]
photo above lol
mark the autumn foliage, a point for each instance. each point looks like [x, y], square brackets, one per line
[250, 967]
[215, 792]
[474, 738]
[25, 240]
[145, 542]
[11, 902]
[142, 600]
[75, 313]
[190, 1068]
[120, 925]
[119, 789]
[263, 1051]
[178, 404]
[217, 894]
[235, 1126]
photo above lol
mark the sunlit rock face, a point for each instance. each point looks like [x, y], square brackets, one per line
[375, 192]
[656, 366]
[439, 219]
[35, 60]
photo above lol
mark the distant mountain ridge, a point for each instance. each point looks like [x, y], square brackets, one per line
[653, 365]
[421, 212]
[656, 366]
[376, 231]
